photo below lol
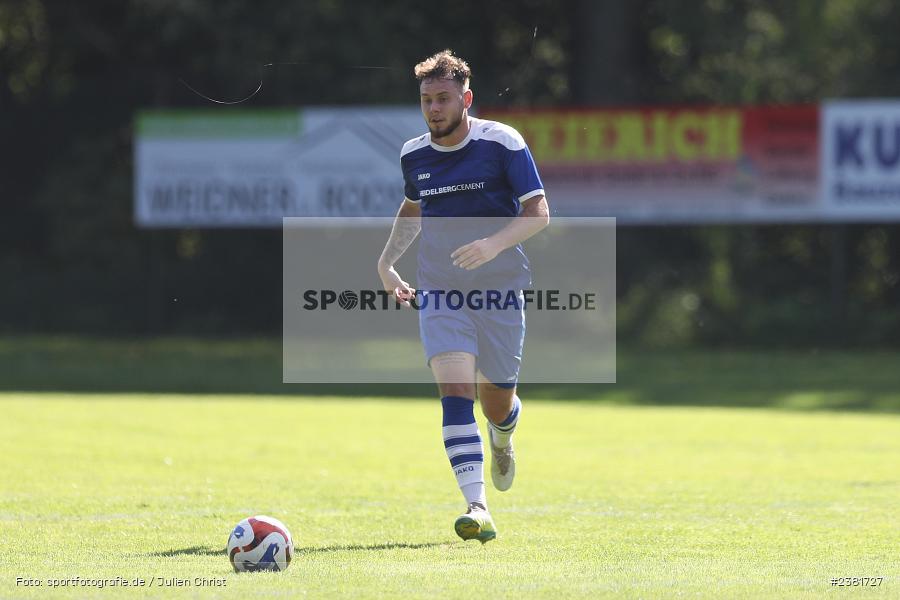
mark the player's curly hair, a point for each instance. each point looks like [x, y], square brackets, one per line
[444, 65]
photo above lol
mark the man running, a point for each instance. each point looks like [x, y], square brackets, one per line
[481, 174]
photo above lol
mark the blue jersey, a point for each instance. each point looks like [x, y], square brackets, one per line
[488, 174]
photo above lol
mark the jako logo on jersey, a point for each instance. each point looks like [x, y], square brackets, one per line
[424, 176]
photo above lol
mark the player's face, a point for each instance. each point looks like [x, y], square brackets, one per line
[444, 105]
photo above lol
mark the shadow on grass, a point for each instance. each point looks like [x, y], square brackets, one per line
[369, 547]
[192, 551]
[209, 551]
[807, 380]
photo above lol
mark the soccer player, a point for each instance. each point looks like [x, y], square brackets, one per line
[482, 173]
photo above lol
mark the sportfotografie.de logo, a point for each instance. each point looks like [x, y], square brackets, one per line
[375, 300]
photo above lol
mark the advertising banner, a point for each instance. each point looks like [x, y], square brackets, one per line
[244, 168]
[676, 165]
[662, 165]
[861, 160]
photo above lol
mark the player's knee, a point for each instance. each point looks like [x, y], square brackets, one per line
[496, 402]
[495, 412]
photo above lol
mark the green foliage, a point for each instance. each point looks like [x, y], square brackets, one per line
[771, 286]
[72, 76]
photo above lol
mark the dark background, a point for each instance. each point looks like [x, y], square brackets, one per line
[72, 75]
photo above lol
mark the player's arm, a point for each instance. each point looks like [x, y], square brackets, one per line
[407, 225]
[534, 216]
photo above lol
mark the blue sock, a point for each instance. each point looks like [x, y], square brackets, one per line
[462, 442]
[501, 432]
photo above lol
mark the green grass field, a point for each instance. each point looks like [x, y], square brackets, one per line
[610, 500]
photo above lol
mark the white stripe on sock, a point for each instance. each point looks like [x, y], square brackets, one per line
[471, 471]
[465, 449]
[452, 431]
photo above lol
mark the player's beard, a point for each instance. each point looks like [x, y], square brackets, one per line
[438, 132]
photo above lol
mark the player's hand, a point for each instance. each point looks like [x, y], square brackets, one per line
[395, 286]
[474, 254]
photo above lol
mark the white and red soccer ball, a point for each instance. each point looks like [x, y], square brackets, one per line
[260, 543]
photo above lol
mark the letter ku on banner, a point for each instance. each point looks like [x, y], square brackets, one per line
[861, 160]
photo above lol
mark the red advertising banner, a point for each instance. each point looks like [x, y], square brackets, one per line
[681, 164]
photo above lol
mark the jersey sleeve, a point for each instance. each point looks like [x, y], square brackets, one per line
[522, 174]
[409, 190]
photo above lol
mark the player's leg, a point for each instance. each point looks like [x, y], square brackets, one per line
[502, 406]
[498, 401]
[501, 342]
[454, 373]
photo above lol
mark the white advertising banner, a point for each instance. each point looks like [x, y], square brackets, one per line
[251, 168]
[861, 160]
